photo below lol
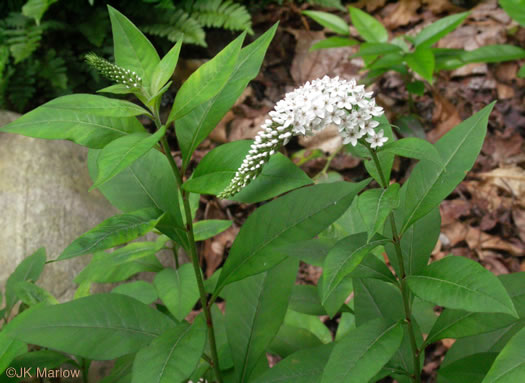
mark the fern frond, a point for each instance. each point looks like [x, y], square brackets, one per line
[175, 25]
[222, 14]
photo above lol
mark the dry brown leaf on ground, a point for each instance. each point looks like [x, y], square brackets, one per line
[510, 179]
[401, 13]
[328, 140]
[518, 215]
[502, 147]
[371, 5]
[308, 65]
[445, 116]
[439, 6]
[454, 233]
[452, 210]
[479, 241]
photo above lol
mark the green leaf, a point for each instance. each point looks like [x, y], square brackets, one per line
[218, 167]
[310, 323]
[122, 263]
[31, 294]
[290, 339]
[312, 251]
[178, 289]
[148, 182]
[101, 326]
[431, 34]
[165, 68]
[515, 9]
[305, 299]
[96, 105]
[459, 324]
[417, 242]
[28, 270]
[35, 9]
[333, 42]
[132, 50]
[140, 290]
[9, 349]
[346, 255]
[304, 366]
[335, 301]
[193, 128]
[297, 216]
[368, 27]
[361, 353]
[417, 87]
[207, 81]
[122, 152]
[112, 232]
[376, 299]
[332, 22]
[85, 129]
[429, 183]
[116, 89]
[521, 73]
[470, 369]
[493, 54]
[376, 204]
[209, 228]
[256, 309]
[509, 366]
[173, 356]
[422, 62]
[373, 49]
[413, 147]
[460, 283]
[373, 267]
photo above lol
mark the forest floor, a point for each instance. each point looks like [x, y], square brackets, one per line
[484, 218]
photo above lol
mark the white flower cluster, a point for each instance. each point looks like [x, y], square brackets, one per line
[306, 111]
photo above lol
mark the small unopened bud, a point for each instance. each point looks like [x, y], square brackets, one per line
[113, 72]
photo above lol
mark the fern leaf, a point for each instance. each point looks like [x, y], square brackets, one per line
[222, 14]
[175, 25]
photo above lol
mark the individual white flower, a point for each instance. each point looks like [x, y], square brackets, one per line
[377, 140]
[306, 111]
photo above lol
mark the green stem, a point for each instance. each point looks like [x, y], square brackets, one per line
[329, 161]
[193, 253]
[416, 375]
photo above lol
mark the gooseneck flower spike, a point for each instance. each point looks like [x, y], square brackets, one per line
[306, 111]
[113, 72]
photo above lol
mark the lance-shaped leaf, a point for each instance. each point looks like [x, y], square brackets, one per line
[113, 231]
[368, 27]
[208, 228]
[140, 290]
[165, 68]
[422, 62]
[9, 349]
[361, 353]
[173, 356]
[376, 204]
[328, 20]
[435, 31]
[509, 366]
[297, 216]
[346, 255]
[304, 366]
[255, 312]
[148, 182]
[100, 327]
[132, 49]
[471, 368]
[413, 147]
[122, 152]
[460, 283]
[429, 183]
[193, 128]
[218, 167]
[178, 289]
[87, 129]
[493, 54]
[206, 81]
[122, 263]
[28, 270]
[97, 105]
[31, 294]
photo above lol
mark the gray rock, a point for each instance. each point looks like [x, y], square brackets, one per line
[44, 201]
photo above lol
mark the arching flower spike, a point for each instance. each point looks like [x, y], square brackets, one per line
[306, 111]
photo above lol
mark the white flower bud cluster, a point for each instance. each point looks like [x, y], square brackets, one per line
[306, 111]
[113, 72]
